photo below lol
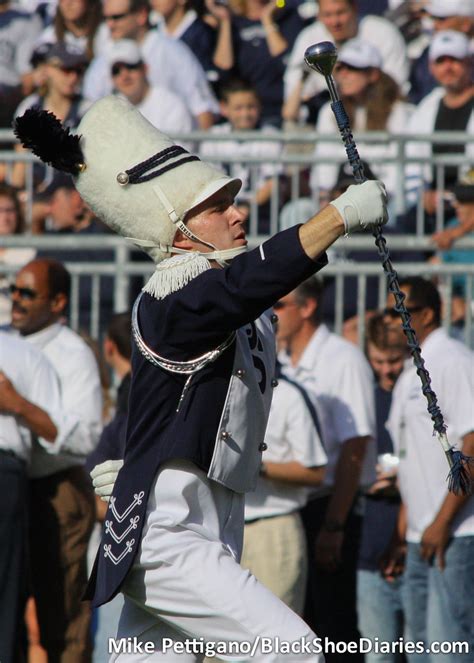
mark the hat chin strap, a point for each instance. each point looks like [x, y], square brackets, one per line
[220, 256]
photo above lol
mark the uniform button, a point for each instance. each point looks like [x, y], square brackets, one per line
[240, 373]
[274, 318]
[274, 383]
[225, 435]
[262, 446]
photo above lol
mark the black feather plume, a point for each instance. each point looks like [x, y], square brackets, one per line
[41, 132]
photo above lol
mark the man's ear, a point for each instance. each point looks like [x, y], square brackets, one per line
[181, 241]
[308, 308]
[223, 107]
[59, 303]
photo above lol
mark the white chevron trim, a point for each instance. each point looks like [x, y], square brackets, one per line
[137, 499]
[116, 560]
[118, 539]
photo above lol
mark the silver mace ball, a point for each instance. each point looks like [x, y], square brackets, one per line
[322, 57]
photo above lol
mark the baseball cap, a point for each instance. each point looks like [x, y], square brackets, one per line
[126, 51]
[445, 8]
[63, 54]
[360, 54]
[451, 43]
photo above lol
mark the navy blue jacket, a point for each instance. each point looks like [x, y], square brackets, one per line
[184, 325]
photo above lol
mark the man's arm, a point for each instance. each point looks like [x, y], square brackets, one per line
[294, 473]
[436, 536]
[31, 416]
[346, 484]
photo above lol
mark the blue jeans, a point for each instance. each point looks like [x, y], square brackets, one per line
[380, 612]
[439, 605]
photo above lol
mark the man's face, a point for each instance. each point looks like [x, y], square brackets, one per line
[452, 74]
[415, 310]
[217, 221]
[242, 109]
[67, 209]
[32, 307]
[130, 80]
[122, 23]
[290, 319]
[339, 17]
[386, 364]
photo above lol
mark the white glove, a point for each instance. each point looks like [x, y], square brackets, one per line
[363, 206]
[104, 476]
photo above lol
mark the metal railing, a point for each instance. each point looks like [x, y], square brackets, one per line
[297, 156]
[101, 287]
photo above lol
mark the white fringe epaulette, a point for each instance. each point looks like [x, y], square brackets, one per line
[174, 273]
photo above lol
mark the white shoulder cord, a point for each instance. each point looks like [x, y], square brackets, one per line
[182, 367]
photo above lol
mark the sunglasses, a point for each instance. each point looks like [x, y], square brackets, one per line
[24, 293]
[118, 66]
[393, 313]
[116, 17]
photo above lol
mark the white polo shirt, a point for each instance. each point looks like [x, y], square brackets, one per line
[35, 379]
[165, 111]
[80, 423]
[341, 377]
[423, 466]
[291, 435]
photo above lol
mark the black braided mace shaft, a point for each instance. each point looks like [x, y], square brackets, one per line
[459, 479]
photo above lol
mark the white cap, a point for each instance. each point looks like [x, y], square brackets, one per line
[124, 50]
[360, 54]
[451, 43]
[444, 8]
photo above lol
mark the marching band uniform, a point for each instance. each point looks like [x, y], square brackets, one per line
[202, 369]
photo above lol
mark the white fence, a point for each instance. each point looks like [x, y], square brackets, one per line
[297, 156]
[100, 287]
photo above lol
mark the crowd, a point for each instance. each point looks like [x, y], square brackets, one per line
[351, 524]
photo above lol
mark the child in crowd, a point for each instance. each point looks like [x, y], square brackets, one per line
[241, 107]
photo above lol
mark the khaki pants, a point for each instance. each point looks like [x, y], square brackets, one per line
[275, 552]
[62, 513]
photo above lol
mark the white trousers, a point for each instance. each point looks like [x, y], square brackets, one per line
[187, 584]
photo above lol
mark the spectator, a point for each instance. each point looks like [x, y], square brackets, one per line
[65, 213]
[241, 106]
[253, 43]
[18, 33]
[379, 600]
[63, 68]
[461, 225]
[293, 462]
[373, 102]
[29, 403]
[445, 15]
[440, 525]
[62, 504]
[340, 376]
[181, 21]
[338, 22]
[162, 107]
[448, 108]
[11, 223]
[170, 62]
[76, 22]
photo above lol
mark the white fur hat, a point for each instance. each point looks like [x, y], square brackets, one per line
[136, 179]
